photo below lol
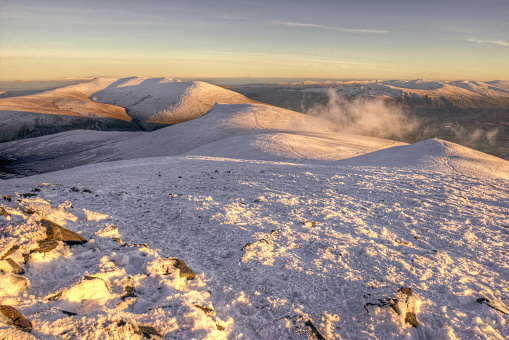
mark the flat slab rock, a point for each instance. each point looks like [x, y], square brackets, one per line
[17, 319]
[57, 233]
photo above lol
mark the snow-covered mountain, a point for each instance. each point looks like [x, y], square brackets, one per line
[128, 104]
[251, 222]
[418, 93]
[246, 131]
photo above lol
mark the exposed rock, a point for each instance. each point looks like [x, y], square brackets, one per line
[404, 300]
[307, 327]
[313, 331]
[56, 232]
[4, 212]
[411, 319]
[10, 251]
[147, 331]
[68, 313]
[8, 265]
[493, 305]
[45, 246]
[185, 271]
[207, 310]
[129, 292]
[391, 302]
[17, 319]
[219, 327]
[247, 246]
[126, 244]
[28, 195]
[7, 198]
[167, 266]
[405, 290]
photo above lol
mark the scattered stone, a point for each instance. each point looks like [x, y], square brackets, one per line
[246, 246]
[147, 331]
[391, 302]
[8, 265]
[207, 310]
[129, 292]
[68, 313]
[4, 212]
[28, 210]
[219, 327]
[87, 191]
[185, 271]
[310, 223]
[17, 319]
[126, 244]
[10, 251]
[306, 327]
[403, 242]
[167, 266]
[405, 290]
[492, 305]
[411, 319]
[7, 198]
[404, 297]
[313, 331]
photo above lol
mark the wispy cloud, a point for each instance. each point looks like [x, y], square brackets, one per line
[306, 25]
[489, 42]
[330, 28]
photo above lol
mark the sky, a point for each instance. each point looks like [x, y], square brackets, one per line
[317, 39]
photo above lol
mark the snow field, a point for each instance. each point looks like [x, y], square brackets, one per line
[276, 247]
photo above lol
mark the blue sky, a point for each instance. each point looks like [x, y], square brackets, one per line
[446, 39]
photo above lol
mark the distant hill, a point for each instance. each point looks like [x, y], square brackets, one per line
[110, 104]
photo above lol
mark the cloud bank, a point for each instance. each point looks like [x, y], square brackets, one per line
[366, 116]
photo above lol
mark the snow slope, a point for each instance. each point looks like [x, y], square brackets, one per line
[247, 131]
[126, 104]
[435, 155]
[280, 251]
[162, 101]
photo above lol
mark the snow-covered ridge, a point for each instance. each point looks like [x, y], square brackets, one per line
[127, 104]
[420, 93]
[253, 132]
